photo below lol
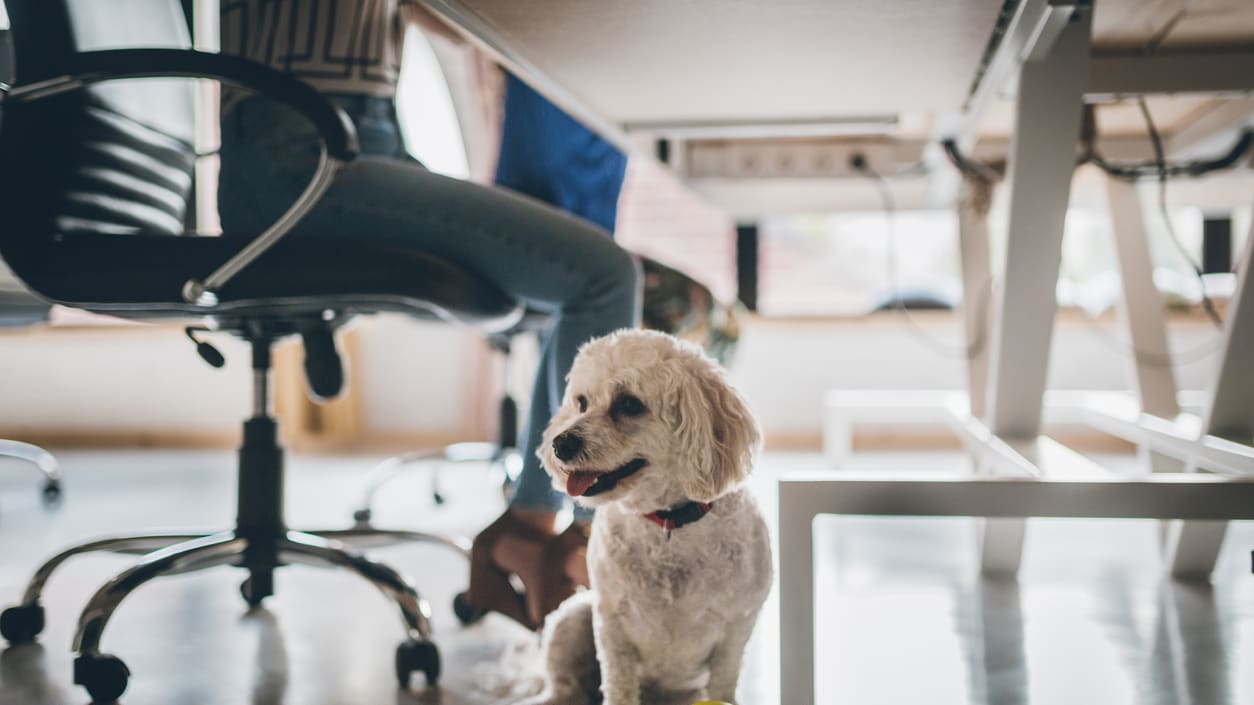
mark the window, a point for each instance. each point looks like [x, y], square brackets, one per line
[425, 109]
[841, 264]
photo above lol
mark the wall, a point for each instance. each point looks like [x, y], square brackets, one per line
[784, 367]
[425, 380]
[138, 381]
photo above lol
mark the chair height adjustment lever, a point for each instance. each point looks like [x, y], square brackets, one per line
[207, 352]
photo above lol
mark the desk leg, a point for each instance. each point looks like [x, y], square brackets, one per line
[1192, 547]
[1047, 127]
[1144, 314]
[977, 286]
[796, 595]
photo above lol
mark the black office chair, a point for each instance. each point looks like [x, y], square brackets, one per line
[94, 180]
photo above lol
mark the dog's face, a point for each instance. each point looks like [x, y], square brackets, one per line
[650, 421]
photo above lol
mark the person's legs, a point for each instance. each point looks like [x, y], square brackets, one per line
[533, 492]
[550, 156]
[515, 541]
[548, 259]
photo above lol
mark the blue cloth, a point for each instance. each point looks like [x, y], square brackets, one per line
[550, 156]
[548, 259]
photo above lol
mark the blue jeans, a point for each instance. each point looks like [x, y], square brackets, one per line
[547, 259]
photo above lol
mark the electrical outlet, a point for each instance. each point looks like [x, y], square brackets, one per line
[789, 159]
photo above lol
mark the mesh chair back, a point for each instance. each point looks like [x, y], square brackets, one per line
[114, 158]
[6, 51]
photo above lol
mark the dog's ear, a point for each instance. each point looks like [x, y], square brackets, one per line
[717, 432]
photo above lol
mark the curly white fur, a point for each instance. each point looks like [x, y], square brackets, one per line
[668, 616]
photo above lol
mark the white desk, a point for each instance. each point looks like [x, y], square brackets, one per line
[909, 72]
[727, 82]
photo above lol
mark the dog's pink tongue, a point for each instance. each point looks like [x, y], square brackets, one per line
[579, 481]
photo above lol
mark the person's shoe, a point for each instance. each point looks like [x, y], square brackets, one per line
[550, 568]
[518, 543]
[563, 569]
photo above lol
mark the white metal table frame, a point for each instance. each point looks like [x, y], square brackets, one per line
[1203, 466]
[1045, 51]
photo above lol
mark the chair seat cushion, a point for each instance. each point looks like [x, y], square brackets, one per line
[142, 276]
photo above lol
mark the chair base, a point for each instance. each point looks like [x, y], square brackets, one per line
[503, 455]
[259, 543]
[183, 553]
[43, 461]
[506, 459]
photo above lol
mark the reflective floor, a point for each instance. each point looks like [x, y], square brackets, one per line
[902, 618]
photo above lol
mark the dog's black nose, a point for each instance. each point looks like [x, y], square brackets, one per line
[567, 445]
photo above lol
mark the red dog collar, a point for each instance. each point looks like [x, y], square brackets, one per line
[682, 515]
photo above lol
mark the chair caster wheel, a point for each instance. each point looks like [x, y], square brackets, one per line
[20, 624]
[467, 613]
[362, 517]
[250, 595]
[103, 676]
[413, 656]
[52, 493]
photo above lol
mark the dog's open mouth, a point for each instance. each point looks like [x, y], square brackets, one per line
[586, 483]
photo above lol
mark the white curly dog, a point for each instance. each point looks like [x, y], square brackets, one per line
[651, 433]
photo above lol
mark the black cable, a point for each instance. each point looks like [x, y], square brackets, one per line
[1156, 141]
[1158, 167]
[1129, 172]
[1129, 348]
[967, 352]
[1133, 172]
[969, 167]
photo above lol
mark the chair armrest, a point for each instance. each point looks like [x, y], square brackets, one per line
[333, 124]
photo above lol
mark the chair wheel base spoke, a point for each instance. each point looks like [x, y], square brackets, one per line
[104, 676]
[417, 656]
[22, 623]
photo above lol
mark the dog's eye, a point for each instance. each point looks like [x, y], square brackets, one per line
[582, 401]
[627, 405]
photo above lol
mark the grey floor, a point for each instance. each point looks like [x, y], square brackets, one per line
[901, 617]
